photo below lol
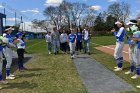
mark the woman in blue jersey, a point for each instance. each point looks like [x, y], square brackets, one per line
[7, 51]
[136, 38]
[79, 40]
[119, 45]
[72, 43]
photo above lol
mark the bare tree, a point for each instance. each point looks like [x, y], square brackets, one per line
[77, 10]
[66, 8]
[119, 10]
[89, 17]
[66, 13]
[54, 14]
[43, 24]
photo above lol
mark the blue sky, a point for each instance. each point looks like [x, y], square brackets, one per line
[33, 9]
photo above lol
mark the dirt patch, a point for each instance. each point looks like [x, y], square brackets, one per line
[110, 50]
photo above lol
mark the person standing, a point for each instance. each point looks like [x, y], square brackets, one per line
[49, 41]
[79, 40]
[72, 43]
[130, 30]
[64, 41]
[7, 51]
[1, 62]
[119, 45]
[56, 40]
[86, 37]
[136, 55]
[20, 43]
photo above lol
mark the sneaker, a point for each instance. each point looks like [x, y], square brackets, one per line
[135, 76]
[115, 67]
[3, 82]
[138, 86]
[118, 69]
[49, 53]
[9, 77]
[73, 56]
[128, 72]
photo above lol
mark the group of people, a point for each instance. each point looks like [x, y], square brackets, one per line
[68, 40]
[7, 44]
[132, 32]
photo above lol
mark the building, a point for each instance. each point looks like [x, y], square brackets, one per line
[36, 32]
[1, 22]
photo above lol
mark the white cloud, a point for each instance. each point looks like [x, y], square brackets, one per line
[1, 6]
[53, 2]
[36, 11]
[96, 7]
[112, 0]
[12, 19]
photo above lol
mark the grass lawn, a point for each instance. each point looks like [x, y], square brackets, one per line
[46, 74]
[104, 40]
[109, 62]
[57, 74]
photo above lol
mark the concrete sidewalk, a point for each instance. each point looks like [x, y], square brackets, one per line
[97, 78]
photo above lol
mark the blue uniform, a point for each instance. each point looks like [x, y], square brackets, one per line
[72, 39]
[8, 53]
[132, 45]
[79, 41]
[137, 52]
[79, 36]
[119, 46]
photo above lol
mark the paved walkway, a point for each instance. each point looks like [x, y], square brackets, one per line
[97, 78]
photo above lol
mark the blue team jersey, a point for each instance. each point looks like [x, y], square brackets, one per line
[79, 36]
[137, 35]
[9, 37]
[120, 35]
[72, 38]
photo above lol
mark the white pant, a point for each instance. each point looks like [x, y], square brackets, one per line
[72, 47]
[131, 56]
[118, 50]
[1, 61]
[137, 55]
[8, 53]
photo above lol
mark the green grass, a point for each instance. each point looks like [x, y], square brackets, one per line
[109, 62]
[57, 74]
[46, 74]
[104, 40]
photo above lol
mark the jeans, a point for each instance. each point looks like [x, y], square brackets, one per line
[56, 45]
[86, 46]
[49, 46]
